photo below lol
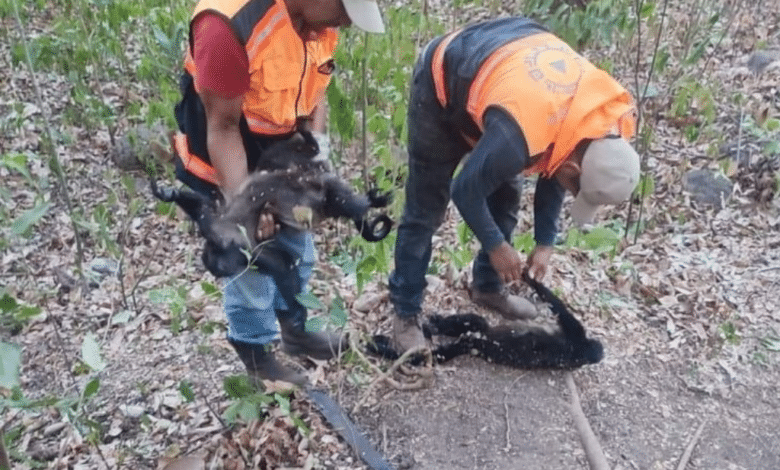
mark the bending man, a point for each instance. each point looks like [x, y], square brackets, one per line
[522, 102]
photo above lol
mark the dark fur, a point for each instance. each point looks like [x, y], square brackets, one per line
[527, 349]
[287, 180]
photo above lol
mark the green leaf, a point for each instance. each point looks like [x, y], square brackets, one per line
[17, 162]
[22, 224]
[121, 318]
[342, 111]
[91, 388]
[161, 296]
[7, 303]
[309, 300]
[301, 425]
[237, 386]
[185, 388]
[209, 288]
[646, 186]
[338, 314]
[524, 242]
[465, 235]
[284, 403]
[601, 237]
[315, 324]
[248, 410]
[772, 124]
[231, 413]
[90, 353]
[367, 265]
[28, 311]
[10, 359]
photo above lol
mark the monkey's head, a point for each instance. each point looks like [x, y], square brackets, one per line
[593, 351]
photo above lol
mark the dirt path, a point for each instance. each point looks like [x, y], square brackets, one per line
[644, 413]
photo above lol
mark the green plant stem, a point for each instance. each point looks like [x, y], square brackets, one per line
[642, 92]
[54, 162]
[364, 130]
[5, 462]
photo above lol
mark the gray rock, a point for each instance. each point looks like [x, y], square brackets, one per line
[367, 302]
[759, 61]
[707, 187]
[141, 142]
[104, 266]
[132, 411]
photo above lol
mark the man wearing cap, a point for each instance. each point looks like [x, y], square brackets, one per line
[256, 72]
[521, 102]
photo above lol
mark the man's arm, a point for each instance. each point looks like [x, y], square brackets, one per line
[224, 142]
[221, 81]
[499, 156]
[548, 199]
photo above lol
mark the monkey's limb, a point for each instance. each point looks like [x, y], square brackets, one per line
[590, 443]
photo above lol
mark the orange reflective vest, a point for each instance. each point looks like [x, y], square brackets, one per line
[555, 95]
[288, 76]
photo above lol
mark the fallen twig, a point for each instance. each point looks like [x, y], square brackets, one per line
[425, 374]
[689, 450]
[508, 445]
[590, 443]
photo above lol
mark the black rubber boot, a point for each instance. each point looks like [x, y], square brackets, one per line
[262, 365]
[297, 341]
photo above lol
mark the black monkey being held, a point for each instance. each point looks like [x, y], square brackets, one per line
[567, 348]
[295, 188]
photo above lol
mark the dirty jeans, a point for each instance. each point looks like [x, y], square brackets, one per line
[251, 299]
[435, 150]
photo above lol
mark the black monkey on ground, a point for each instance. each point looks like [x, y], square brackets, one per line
[288, 183]
[567, 348]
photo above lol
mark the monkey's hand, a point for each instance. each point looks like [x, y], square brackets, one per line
[379, 199]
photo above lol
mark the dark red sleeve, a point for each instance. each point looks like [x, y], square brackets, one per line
[220, 59]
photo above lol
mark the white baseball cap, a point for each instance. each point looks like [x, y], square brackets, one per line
[365, 15]
[610, 172]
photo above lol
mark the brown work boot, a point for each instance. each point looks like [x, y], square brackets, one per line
[262, 365]
[296, 341]
[511, 307]
[407, 333]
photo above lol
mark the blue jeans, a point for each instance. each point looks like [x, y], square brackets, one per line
[435, 150]
[252, 300]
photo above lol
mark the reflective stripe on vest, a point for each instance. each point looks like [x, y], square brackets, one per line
[437, 68]
[191, 162]
[268, 24]
[286, 78]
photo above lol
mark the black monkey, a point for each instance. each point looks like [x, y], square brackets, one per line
[525, 349]
[288, 183]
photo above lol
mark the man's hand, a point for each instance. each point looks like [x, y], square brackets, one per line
[507, 263]
[538, 261]
[266, 226]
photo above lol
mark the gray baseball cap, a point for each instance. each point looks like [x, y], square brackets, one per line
[365, 15]
[610, 172]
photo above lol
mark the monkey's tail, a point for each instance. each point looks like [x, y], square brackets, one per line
[590, 349]
[375, 230]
